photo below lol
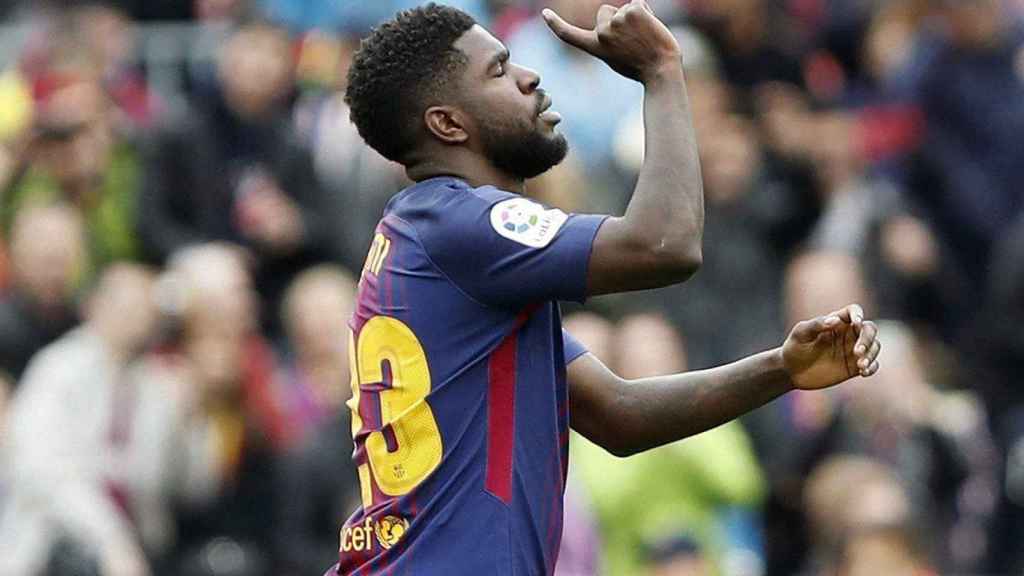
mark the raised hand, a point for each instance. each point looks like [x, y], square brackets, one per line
[830, 349]
[630, 39]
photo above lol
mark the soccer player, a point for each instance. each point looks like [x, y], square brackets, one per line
[464, 385]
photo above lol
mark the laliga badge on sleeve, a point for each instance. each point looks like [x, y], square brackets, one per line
[526, 222]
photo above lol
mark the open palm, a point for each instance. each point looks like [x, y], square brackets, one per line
[830, 349]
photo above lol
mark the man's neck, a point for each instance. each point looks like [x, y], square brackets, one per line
[476, 174]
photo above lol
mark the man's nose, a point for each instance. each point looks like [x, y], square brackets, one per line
[528, 80]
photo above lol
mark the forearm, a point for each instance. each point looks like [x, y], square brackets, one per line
[667, 207]
[655, 411]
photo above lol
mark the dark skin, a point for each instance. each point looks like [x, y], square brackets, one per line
[630, 416]
[657, 242]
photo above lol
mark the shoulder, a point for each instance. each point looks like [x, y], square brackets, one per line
[452, 211]
[12, 319]
[443, 193]
[442, 205]
[168, 383]
[57, 365]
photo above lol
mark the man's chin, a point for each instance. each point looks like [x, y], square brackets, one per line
[531, 155]
[558, 152]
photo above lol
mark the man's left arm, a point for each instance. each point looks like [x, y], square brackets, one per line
[626, 417]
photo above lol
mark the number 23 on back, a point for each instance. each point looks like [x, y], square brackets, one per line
[390, 369]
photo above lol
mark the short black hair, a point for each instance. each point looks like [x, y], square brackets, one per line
[398, 70]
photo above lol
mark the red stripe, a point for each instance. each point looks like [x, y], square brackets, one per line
[501, 414]
[501, 422]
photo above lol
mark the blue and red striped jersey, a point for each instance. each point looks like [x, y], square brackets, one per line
[460, 403]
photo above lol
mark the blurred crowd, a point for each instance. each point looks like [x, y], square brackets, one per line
[183, 218]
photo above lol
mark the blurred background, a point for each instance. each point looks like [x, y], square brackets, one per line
[184, 207]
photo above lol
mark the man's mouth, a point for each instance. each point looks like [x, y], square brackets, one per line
[546, 114]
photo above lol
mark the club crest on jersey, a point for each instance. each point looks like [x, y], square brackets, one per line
[526, 222]
[390, 530]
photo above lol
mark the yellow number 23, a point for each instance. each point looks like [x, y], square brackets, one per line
[390, 363]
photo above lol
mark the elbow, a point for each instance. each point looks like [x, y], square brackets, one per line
[690, 261]
[679, 263]
[612, 425]
[621, 450]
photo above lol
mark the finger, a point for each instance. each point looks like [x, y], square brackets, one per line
[832, 320]
[645, 5]
[585, 40]
[848, 361]
[872, 353]
[868, 335]
[876, 348]
[606, 12]
[852, 314]
[605, 16]
[808, 330]
[870, 370]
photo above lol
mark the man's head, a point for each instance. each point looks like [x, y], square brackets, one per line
[893, 549]
[647, 345]
[255, 70]
[971, 24]
[209, 288]
[47, 254]
[431, 82]
[123, 286]
[316, 308]
[74, 133]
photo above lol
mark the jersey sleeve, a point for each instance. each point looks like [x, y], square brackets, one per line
[506, 250]
[572, 347]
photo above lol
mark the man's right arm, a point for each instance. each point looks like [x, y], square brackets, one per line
[658, 240]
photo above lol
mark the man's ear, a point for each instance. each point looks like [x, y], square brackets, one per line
[447, 124]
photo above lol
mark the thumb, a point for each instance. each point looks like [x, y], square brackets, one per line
[585, 40]
[807, 331]
[644, 5]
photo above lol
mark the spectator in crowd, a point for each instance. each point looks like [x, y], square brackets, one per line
[580, 552]
[356, 15]
[750, 218]
[101, 445]
[233, 371]
[47, 255]
[741, 31]
[965, 78]
[237, 171]
[885, 549]
[812, 281]
[851, 150]
[317, 480]
[359, 181]
[16, 110]
[711, 473]
[678, 555]
[835, 511]
[105, 31]
[937, 442]
[6, 391]
[743, 210]
[317, 307]
[996, 363]
[77, 157]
